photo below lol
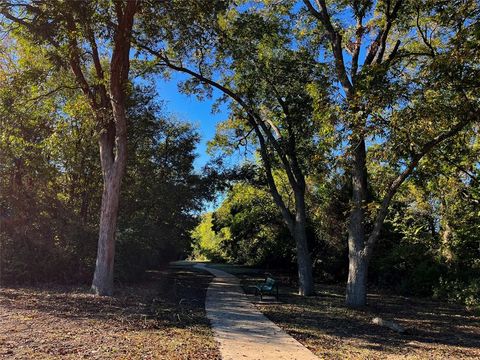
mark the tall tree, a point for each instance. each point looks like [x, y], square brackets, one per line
[81, 35]
[250, 60]
[397, 63]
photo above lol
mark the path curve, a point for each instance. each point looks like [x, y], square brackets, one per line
[243, 332]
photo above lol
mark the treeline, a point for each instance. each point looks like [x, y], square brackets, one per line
[429, 246]
[363, 119]
[360, 117]
[67, 102]
[51, 187]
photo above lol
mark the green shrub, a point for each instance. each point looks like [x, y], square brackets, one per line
[458, 291]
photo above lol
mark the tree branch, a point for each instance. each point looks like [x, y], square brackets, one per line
[356, 49]
[253, 116]
[286, 214]
[53, 91]
[397, 182]
[335, 40]
[424, 37]
[98, 66]
[378, 46]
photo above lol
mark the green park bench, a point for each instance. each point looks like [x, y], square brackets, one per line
[269, 286]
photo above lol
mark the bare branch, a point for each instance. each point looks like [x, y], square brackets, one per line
[424, 36]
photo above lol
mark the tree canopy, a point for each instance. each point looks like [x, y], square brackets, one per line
[358, 121]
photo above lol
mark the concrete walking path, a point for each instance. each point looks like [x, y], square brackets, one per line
[243, 332]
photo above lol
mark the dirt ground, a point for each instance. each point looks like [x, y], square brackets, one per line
[435, 330]
[162, 318]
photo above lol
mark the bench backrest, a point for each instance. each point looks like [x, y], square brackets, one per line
[269, 282]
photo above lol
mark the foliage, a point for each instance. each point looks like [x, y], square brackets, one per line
[161, 193]
[257, 234]
[248, 229]
[360, 108]
[51, 183]
[48, 181]
[208, 244]
[431, 243]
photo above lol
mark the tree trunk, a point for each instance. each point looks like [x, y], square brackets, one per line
[103, 278]
[113, 149]
[446, 233]
[356, 295]
[357, 280]
[113, 155]
[304, 260]
[113, 172]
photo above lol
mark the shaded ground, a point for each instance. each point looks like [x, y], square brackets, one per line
[162, 318]
[322, 323]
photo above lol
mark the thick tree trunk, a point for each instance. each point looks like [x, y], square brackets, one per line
[113, 155]
[296, 224]
[356, 294]
[357, 280]
[304, 260]
[103, 278]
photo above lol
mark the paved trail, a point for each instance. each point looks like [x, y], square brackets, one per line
[243, 332]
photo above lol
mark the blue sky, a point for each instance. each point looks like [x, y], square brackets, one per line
[189, 108]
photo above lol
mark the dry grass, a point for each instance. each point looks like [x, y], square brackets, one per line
[162, 318]
[435, 330]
